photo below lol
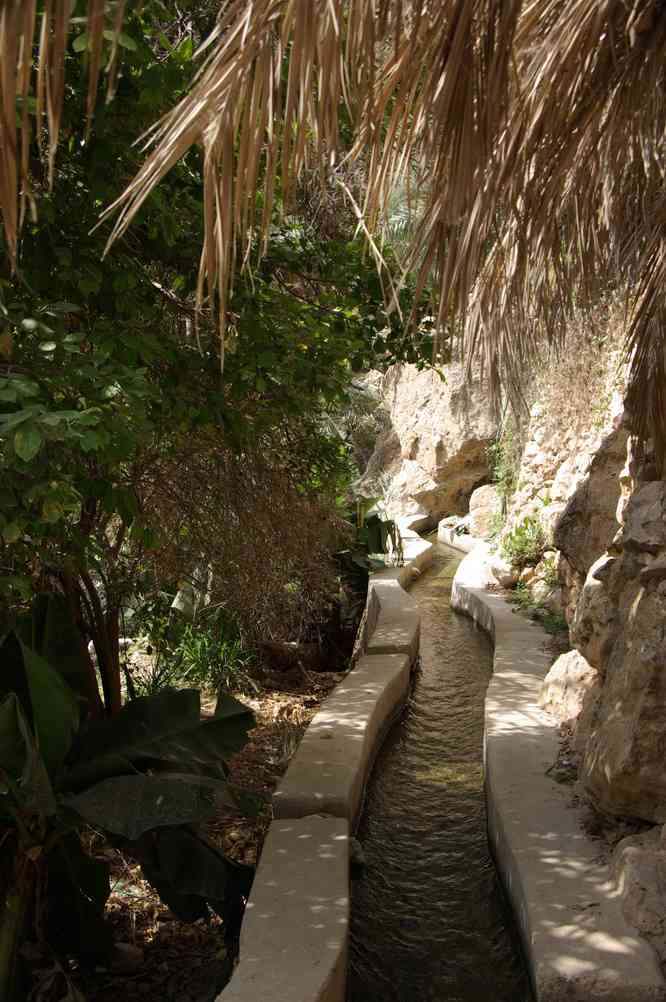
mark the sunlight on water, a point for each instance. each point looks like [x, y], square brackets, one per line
[428, 919]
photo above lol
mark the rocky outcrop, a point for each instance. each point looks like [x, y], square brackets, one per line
[588, 523]
[570, 473]
[623, 764]
[485, 508]
[432, 454]
[639, 864]
[568, 692]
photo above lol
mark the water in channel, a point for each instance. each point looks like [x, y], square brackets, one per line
[428, 919]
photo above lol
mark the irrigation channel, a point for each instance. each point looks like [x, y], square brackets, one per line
[429, 921]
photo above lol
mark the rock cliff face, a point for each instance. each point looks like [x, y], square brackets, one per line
[602, 517]
[432, 452]
[607, 524]
[623, 761]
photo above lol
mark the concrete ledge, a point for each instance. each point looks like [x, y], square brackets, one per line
[393, 616]
[577, 944]
[328, 772]
[293, 943]
[458, 540]
[294, 936]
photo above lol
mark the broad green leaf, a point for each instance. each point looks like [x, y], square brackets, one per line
[50, 631]
[25, 387]
[11, 533]
[131, 805]
[13, 743]
[52, 511]
[188, 872]
[46, 699]
[21, 761]
[65, 307]
[127, 42]
[27, 442]
[79, 888]
[164, 728]
[80, 43]
[9, 421]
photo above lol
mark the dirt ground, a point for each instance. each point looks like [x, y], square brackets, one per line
[160, 957]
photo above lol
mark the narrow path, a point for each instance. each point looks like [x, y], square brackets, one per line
[428, 919]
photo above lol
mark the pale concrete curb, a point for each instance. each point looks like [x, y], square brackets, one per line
[577, 944]
[328, 772]
[293, 942]
[458, 540]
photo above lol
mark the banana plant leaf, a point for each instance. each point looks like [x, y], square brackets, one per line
[190, 875]
[26, 783]
[48, 703]
[163, 729]
[50, 631]
[131, 805]
[78, 888]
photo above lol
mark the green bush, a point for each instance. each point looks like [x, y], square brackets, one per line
[503, 459]
[144, 777]
[550, 575]
[525, 543]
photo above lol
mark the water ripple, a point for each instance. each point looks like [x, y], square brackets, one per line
[428, 919]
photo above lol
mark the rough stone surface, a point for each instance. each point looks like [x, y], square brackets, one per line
[433, 452]
[293, 942]
[577, 942]
[570, 683]
[623, 765]
[485, 506]
[586, 527]
[570, 473]
[503, 570]
[639, 864]
[594, 622]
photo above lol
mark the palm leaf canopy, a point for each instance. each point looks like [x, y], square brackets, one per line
[535, 128]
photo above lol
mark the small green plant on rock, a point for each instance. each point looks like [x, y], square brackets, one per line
[525, 543]
[550, 575]
[503, 460]
[552, 622]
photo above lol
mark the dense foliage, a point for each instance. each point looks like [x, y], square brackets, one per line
[130, 467]
[118, 436]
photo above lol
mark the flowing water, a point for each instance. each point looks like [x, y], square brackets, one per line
[428, 919]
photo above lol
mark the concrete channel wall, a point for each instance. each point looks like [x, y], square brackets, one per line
[577, 944]
[293, 943]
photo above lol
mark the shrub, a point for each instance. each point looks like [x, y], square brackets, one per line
[504, 460]
[550, 575]
[525, 543]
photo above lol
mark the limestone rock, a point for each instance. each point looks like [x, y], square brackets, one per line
[588, 523]
[570, 684]
[503, 570]
[639, 864]
[595, 619]
[485, 506]
[645, 520]
[623, 765]
[432, 453]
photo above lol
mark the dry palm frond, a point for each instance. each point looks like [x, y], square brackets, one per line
[533, 130]
[27, 36]
[416, 84]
